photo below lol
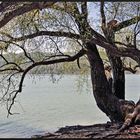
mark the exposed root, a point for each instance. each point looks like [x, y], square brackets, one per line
[132, 117]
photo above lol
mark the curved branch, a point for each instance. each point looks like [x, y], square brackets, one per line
[25, 53]
[23, 9]
[8, 63]
[68, 59]
[41, 33]
[10, 69]
[121, 51]
[126, 23]
[130, 69]
[50, 62]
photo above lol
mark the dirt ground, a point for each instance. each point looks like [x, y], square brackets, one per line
[97, 131]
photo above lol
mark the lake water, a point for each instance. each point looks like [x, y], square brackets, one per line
[45, 107]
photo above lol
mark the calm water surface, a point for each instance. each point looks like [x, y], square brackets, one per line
[45, 107]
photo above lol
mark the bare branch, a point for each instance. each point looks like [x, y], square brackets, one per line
[10, 63]
[123, 44]
[116, 10]
[67, 59]
[4, 58]
[4, 5]
[10, 69]
[97, 35]
[103, 14]
[25, 53]
[130, 70]
[126, 23]
[135, 30]
[84, 11]
[41, 33]
[121, 51]
[80, 21]
[24, 9]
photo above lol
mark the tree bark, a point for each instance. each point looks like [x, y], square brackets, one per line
[118, 85]
[118, 110]
[105, 100]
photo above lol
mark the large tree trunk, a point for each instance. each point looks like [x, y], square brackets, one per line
[118, 110]
[105, 100]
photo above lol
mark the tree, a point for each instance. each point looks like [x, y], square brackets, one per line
[30, 28]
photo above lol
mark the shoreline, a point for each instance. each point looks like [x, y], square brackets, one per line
[97, 131]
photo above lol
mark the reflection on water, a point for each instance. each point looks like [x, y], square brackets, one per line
[44, 107]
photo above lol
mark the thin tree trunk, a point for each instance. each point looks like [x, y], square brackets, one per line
[118, 85]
